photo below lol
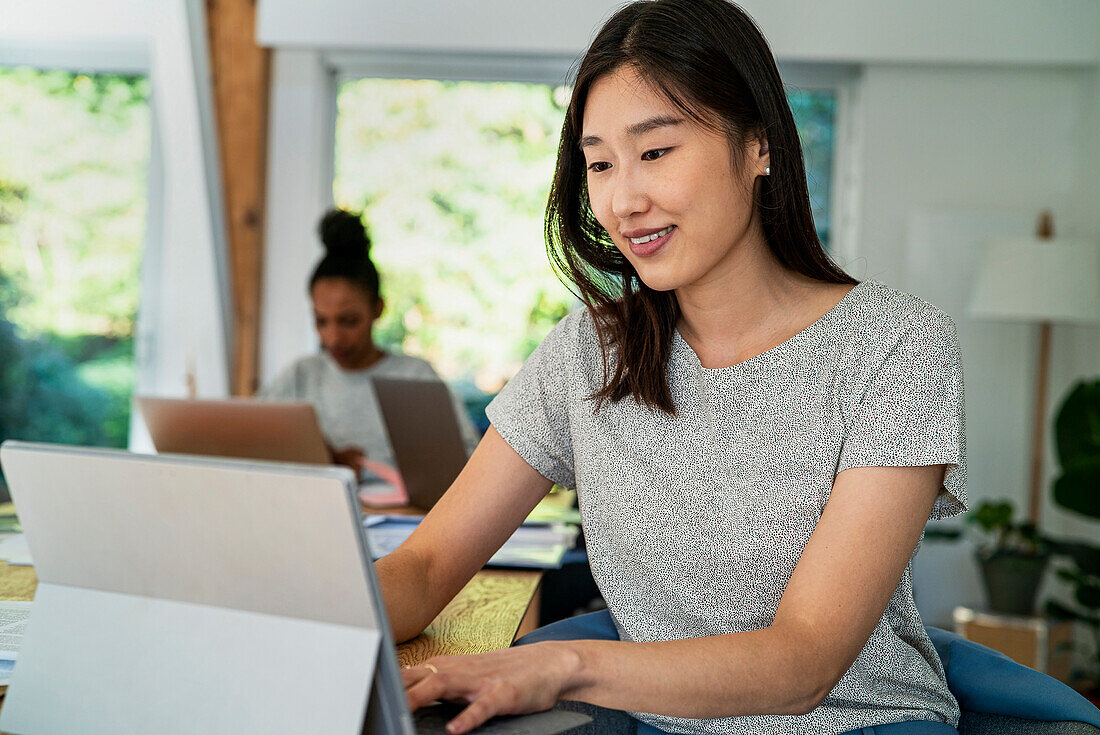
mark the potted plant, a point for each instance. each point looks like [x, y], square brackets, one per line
[1012, 557]
[1077, 489]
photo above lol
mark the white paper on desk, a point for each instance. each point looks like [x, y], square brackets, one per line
[14, 550]
[13, 619]
[539, 546]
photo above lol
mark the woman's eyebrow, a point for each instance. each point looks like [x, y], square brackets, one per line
[638, 128]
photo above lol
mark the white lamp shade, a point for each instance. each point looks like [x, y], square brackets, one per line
[1033, 280]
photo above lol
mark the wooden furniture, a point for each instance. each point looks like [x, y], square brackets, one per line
[240, 76]
[1039, 643]
[495, 608]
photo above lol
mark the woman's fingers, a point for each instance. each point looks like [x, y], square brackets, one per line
[413, 674]
[429, 685]
[507, 682]
[477, 713]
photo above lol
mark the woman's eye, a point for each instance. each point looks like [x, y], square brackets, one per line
[599, 166]
[654, 154]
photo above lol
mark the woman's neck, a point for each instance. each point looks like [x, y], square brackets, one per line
[373, 355]
[751, 306]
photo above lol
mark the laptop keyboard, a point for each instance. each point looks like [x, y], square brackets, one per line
[433, 719]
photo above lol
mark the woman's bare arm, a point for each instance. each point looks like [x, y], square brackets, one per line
[483, 507]
[847, 574]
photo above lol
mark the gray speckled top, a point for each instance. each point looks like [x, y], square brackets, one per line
[695, 522]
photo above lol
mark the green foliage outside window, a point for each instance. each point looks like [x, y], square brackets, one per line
[815, 116]
[453, 178]
[73, 158]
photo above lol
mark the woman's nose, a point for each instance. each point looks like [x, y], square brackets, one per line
[628, 197]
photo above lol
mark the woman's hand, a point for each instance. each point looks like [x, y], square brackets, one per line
[352, 457]
[511, 681]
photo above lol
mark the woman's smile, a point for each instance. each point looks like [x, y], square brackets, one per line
[645, 243]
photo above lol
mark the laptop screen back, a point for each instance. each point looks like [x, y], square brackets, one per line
[423, 429]
[249, 429]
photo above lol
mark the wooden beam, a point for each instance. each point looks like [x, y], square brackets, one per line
[240, 70]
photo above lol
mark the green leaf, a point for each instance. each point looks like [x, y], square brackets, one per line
[1077, 425]
[1088, 595]
[1058, 611]
[1078, 488]
[1085, 556]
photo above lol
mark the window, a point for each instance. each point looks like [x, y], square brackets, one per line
[74, 154]
[453, 178]
[814, 113]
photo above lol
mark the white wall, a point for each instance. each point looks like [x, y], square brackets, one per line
[181, 326]
[299, 190]
[978, 149]
[976, 31]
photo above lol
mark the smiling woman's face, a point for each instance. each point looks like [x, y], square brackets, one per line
[663, 186]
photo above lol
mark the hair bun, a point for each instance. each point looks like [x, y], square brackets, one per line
[344, 235]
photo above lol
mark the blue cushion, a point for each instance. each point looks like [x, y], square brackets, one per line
[590, 626]
[986, 681]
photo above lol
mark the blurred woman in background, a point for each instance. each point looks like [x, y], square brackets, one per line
[345, 293]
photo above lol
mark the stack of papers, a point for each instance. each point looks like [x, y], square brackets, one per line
[532, 546]
[13, 619]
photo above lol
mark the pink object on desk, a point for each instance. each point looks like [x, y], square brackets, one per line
[387, 494]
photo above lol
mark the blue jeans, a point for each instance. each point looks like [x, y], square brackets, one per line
[598, 626]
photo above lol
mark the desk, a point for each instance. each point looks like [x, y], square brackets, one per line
[495, 608]
[489, 613]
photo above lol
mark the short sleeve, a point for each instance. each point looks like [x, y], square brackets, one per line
[531, 413]
[910, 411]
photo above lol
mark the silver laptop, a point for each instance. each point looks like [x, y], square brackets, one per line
[191, 594]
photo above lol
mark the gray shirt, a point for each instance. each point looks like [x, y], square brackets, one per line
[695, 522]
[346, 405]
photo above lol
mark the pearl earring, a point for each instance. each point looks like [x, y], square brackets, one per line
[768, 171]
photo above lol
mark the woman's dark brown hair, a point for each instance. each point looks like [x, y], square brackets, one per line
[708, 58]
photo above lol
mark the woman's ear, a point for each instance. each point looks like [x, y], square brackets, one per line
[762, 159]
[379, 304]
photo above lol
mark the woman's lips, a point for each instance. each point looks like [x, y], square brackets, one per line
[650, 248]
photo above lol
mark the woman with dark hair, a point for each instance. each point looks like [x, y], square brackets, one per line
[757, 440]
[346, 297]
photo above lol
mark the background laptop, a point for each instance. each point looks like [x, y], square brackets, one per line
[424, 434]
[184, 594]
[237, 427]
[419, 417]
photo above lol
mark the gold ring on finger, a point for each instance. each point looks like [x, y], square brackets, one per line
[430, 668]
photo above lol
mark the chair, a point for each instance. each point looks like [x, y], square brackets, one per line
[998, 696]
